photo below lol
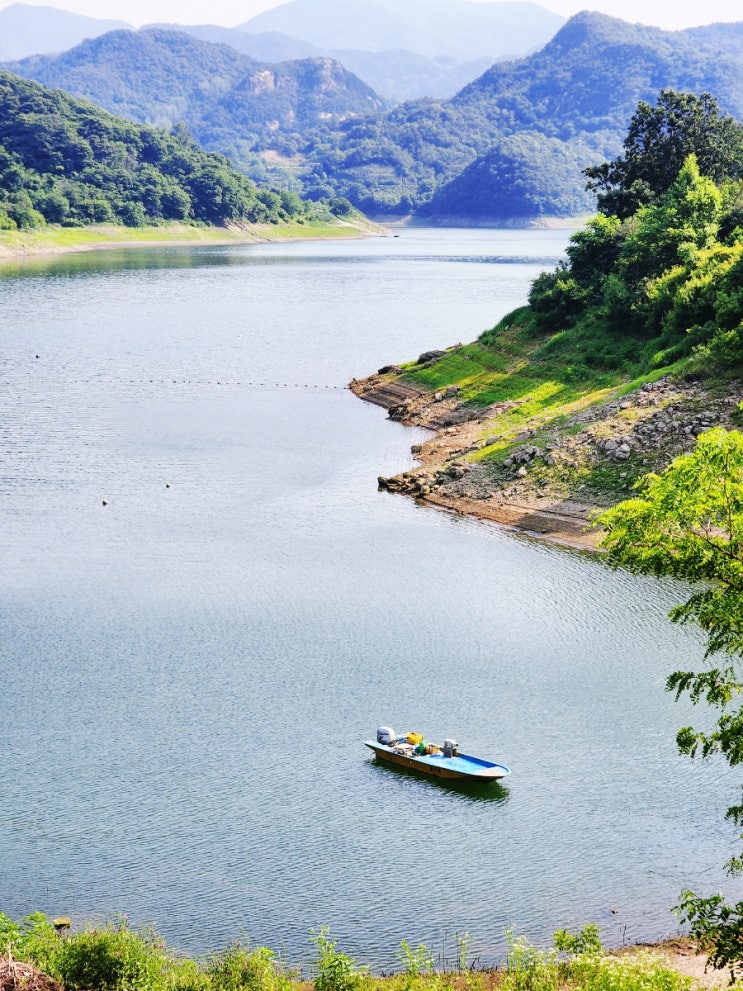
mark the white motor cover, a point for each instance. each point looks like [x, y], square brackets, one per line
[386, 736]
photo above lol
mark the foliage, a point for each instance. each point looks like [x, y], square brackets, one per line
[526, 175]
[688, 523]
[659, 140]
[112, 958]
[588, 967]
[718, 927]
[66, 162]
[242, 969]
[335, 971]
[585, 941]
[34, 940]
[115, 957]
[526, 127]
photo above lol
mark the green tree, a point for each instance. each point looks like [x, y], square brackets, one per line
[688, 523]
[658, 141]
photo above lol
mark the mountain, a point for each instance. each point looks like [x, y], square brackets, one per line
[265, 46]
[25, 30]
[440, 58]
[527, 175]
[461, 29]
[591, 75]
[65, 161]
[162, 77]
[333, 135]
[395, 74]
[581, 88]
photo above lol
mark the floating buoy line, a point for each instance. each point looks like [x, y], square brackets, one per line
[195, 382]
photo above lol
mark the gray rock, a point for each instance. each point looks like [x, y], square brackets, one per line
[430, 356]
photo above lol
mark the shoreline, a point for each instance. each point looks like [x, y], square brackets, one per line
[54, 240]
[544, 471]
[560, 521]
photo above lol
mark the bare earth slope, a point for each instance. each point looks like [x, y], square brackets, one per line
[554, 475]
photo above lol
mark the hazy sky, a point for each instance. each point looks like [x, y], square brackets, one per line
[663, 13]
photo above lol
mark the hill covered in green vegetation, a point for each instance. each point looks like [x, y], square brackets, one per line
[67, 162]
[627, 351]
[511, 143]
[580, 90]
[231, 102]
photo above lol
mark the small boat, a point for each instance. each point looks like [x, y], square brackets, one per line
[411, 751]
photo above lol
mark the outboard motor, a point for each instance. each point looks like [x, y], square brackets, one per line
[386, 736]
[451, 748]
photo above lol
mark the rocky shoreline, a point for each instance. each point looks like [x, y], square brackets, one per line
[550, 477]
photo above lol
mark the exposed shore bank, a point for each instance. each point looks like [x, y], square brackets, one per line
[545, 474]
[54, 240]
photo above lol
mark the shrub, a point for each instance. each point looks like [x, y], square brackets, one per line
[242, 969]
[114, 958]
[335, 970]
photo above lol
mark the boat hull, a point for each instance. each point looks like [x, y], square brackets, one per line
[463, 767]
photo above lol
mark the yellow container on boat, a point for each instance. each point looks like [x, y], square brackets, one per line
[414, 738]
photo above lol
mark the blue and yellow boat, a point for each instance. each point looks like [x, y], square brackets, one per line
[447, 763]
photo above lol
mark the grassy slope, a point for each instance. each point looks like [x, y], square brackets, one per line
[53, 239]
[558, 397]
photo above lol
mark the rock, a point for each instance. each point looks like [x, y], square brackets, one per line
[452, 390]
[522, 472]
[416, 448]
[610, 445]
[386, 369]
[430, 356]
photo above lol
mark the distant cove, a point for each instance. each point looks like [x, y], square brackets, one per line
[194, 665]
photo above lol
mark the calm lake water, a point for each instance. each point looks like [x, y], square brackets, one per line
[189, 671]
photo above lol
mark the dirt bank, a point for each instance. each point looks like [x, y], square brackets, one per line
[547, 479]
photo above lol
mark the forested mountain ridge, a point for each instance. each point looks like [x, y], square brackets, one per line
[163, 77]
[396, 74]
[68, 162]
[518, 124]
[581, 89]
[591, 75]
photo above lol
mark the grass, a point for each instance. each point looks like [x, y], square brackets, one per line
[115, 957]
[53, 239]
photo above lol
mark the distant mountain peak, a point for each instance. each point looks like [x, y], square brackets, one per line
[462, 29]
[26, 29]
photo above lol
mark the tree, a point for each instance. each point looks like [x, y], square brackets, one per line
[688, 523]
[658, 142]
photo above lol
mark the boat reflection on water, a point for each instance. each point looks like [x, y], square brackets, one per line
[473, 791]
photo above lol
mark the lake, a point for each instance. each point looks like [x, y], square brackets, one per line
[207, 606]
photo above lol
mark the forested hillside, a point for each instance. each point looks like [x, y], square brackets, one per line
[626, 353]
[68, 162]
[164, 77]
[580, 89]
[513, 143]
